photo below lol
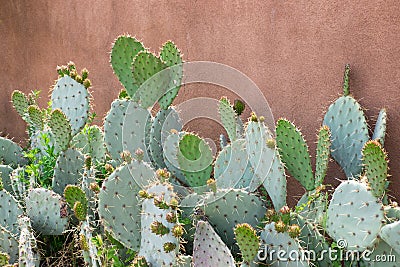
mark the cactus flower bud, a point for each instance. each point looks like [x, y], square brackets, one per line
[139, 153]
[126, 156]
[212, 184]
[238, 107]
[170, 217]
[160, 203]
[158, 228]
[173, 203]
[163, 175]
[280, 227]
[294, 231]
[87, 83]
[94, 187]
[284, 210]
[177, 230]
[109, 168]
[270, 213]
[169, 246]
[84, 74]
[270, 143]
[253, 117]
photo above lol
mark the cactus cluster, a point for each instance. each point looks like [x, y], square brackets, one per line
[143, 185]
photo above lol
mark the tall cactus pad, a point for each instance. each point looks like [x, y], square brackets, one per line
[390, 234]
[10, 152]
[248, 241]
[380, 127]
[228, 118]
[323, 153]
[73, 99]
[5, 172]
[274, 242]
[171, 56]
[153, 245]
[259, 153]
[163, 123]
[227, 208]
[170, 155]
[91, 141]
[20, 102]
[47, 211]
[134, 129]
[61, 129]
[9, 212]
[28, 252]
[354, 211]
[232, 168]
[36, 117]
[68, 169]
[125, 48]
[349, 132]
[119, 202]
[195, 159]
[209, 250]
[376, 167]
[294, 153]
[147, 76]
[113, 127]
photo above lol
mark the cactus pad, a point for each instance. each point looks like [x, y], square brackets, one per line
[380, 127]
[20, 102]
[74, 194]
[322, 157]
[5, 172]
[91, 141]
[9, 212]
[28, 254]
[390, 234]
[8, 244]
[228, 118]
[36, 117]
[10, 152]
[61, 129]
[248, 241]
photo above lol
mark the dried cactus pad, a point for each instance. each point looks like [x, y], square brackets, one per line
[354, 215]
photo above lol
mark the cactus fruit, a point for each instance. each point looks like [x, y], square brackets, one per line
[353, 204]
[209, 250]
[119, 200]
[61, 129]
[349, 130]
[376, 167]
[47, 211]
[248, 241]
[68, 169]
[124, 49]
[8, 244]
[9, 212]
[380, 127]
[91, 141]
[28, 255]
[390, 234]
[294, 153]
[322, 155]
[72, 98]
[10, 153]
[228, 118]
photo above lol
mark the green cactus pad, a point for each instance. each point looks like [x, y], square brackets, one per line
[149, 78]
[73, 100]
[73, 194]
[380, 127]
[20, 102]
[8, 244]
[260, 154]
[28, 251]
[353, 205]
[124, 49]
[376, 167]
[227, 208]
[119, 202]
[195, 159]
[9, 212]
[294, 153]
[60, 128]
[209, 250]
[134, 129]
[91, 141]
[152, 244]
[68, 169]
[163, 123]
[322, 157]
[349, 132]
[274, 241]
[47, 210]
[248, 241]
[80, 211]
[113, 124]
[5, 172]
[19, 182]
[390, 234]
[228, 118]
[36, 117]
[10, 153]
[232, 168]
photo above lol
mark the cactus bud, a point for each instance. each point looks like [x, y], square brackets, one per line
[173, 131]
[212, 184]
[79, 79]
[126, 156]
[270, 143]
[270, 213]
[253, 117]
[71, 65]
[109, 168]
[139, 153]
[280, 227]
[94, 187]
[170, 217]
[284, 210]
[160, 203]
[173, 203]
[87, 83]
[294, 231]
[144, 194]
[85, 74]
[88, 162]
[261, 118]
[139, 261]
[73, 74]
[158, 228]
[83, 243]
[238, 106]
[60, 71]
[177, 230]
[169, 246]
[163, 175]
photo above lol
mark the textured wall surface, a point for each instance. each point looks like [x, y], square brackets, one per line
[293, 50]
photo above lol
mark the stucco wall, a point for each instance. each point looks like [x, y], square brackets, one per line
[293, 50]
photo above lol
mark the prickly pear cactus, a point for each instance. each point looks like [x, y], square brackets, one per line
[349, 130]
[28, 254]
[5, 172]
[9, 244]
[91, 141]
[76, 199]
[354, 204]
[20, 102]
[228, 118]
[36, 117]
[209, 250]
[248, 242]
[159, 229]
[10, 153]
[47, 210]
[322, 155]
[390, 234]
[61, 129]
[380, 127]
[9, 212]
[72, 98]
